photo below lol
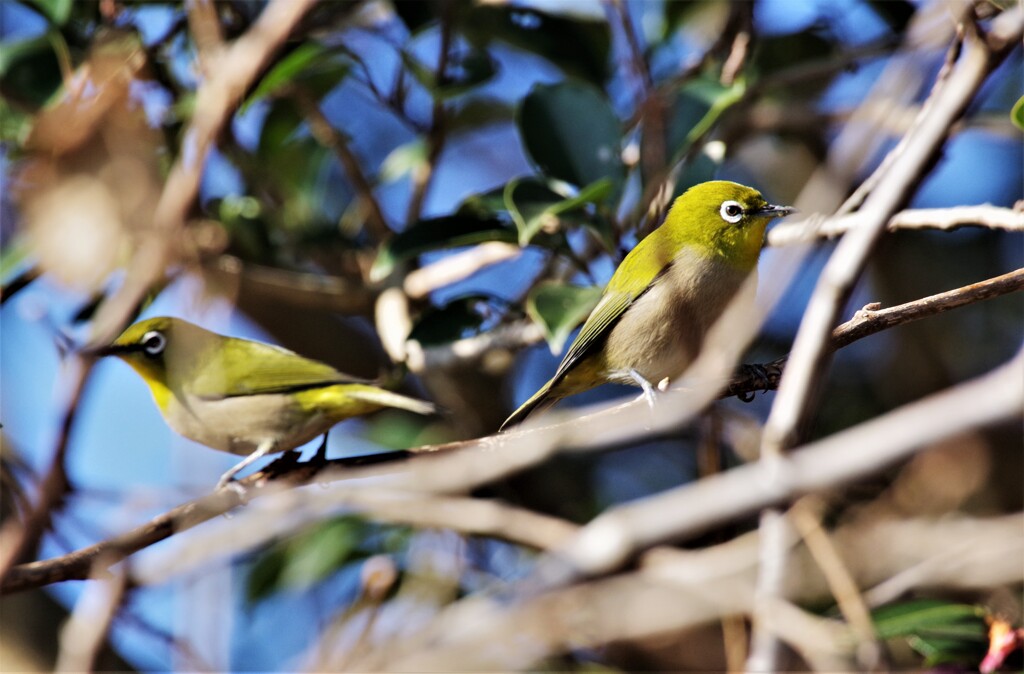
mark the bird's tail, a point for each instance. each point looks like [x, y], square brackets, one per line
[381, 398]
[540, 400]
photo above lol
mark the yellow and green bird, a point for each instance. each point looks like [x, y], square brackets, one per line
[667, 292]
[241, 396]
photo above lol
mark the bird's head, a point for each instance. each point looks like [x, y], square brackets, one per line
[723, 218]
[162, 351]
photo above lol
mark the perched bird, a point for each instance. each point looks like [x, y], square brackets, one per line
[665, 295]
[241, 396]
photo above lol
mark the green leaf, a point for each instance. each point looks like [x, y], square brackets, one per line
[29, 71]
[777, 52]
[459, 318]
[57, 11]
[699, 106]
[415, 14]
[311, 65]
[533, 206]
[463, 72]
[913, 617]
[262, 580]
[578, 45]
[941, 631]
[1017, 114]
[464, 228]
[571, 132]
[559, 308]
[478, 112]
[317, 553]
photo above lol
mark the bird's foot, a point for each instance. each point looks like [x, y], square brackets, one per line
[764, 378]
[228, 482]
[649, 390]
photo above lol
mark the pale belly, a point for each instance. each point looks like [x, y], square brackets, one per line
[662, 332]
[238, 425]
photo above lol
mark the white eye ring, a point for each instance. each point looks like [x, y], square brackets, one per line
[153, 342]
[731, 211]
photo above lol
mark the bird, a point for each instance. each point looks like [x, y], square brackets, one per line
[651, 318]
[241, 396]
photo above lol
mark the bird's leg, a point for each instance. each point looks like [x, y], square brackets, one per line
[648, 387]
[264, 448]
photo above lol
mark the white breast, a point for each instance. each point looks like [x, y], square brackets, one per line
[239, 424]
[661, 333]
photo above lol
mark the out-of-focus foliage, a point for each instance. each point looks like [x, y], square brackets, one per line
[388, 137]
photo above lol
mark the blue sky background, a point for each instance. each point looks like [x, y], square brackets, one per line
[130, 466]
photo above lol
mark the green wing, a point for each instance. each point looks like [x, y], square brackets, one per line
[257, 368]
[631, 279]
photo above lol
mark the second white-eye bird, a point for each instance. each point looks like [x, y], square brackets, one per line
[241, 396]
[665, 294]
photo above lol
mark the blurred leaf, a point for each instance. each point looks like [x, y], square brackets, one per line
[533, 206]
[450, 231]
[479, 112]
[311, 65]
[699, 106]
[572, 134]
[777, 52]
[306, 558]
[415, 14]
[578, 45]
[1017, 114]
[463, 72]
[559, 308]
[29, 70]
[459, 318]
[403, 160]
[895, 13]
[939, 630]
[14, 125]
[318, 552]
[263, 577]
[912, 617]
[57, 11]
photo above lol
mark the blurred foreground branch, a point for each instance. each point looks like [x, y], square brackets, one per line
[77, 565]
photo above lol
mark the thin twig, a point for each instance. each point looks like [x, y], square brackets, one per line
[75, 566]
[992, 217]
[322, 129]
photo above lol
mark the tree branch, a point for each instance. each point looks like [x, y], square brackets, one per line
[76, 565]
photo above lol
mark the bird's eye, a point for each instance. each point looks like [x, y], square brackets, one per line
[153, 342]
[731, 211]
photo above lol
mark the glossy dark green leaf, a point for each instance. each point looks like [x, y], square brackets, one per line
[416, 14]
[459, 318]
[533, 206]
[310, 65]
[571, 132]
[578, 45]
[478, 112]
[464, 71]
[57, 11]
[29, 71]
[559, 308]
[696, 110]
[777, 52]
[450, 231]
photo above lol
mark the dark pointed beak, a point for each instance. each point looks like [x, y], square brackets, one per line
[775, 211]
[102, 351]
